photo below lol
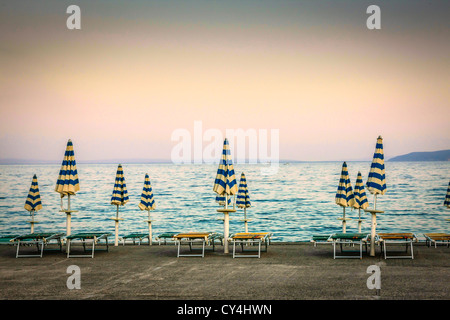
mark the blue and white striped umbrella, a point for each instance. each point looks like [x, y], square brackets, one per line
[67, 183]
[447, 197]
[243, 198]
[33, 202]
[360, 198]
[225, 182]
[360, 194]
[344, 194]
[225, 186]
[120, 193]
[221, 200]
[119, 198]
[376, 182]
[147, 201]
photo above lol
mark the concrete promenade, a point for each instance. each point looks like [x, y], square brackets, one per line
[288, 271]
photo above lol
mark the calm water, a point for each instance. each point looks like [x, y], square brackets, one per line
[293, 204]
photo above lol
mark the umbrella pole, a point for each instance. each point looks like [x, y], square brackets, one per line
[226, 226]
[245, 219]
[344, 224]
[32, 221]
[116, 241]
[149, 229]
[359, 220]
[68, 216]
[373, 227]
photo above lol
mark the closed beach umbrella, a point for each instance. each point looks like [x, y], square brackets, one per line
[221, 200]
[67, 183]
[376, 184]
[360, 198]
[147, 203]
[243, 198]
[119, 198]
[225, 186]
[344, 194]
[33, 202]
[447, 197]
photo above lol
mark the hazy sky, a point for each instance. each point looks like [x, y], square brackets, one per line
[138, 70]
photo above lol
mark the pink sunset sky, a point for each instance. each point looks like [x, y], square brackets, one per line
[138, 70]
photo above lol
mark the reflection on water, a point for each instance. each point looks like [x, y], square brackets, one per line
[293, 204]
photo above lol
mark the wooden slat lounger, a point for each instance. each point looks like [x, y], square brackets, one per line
[83, 238]
[250, 238]
[397, 238]
[349, 238]
[437, 238]
[192, 238]
[39, 239]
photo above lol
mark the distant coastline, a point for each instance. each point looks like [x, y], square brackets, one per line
[442, 155]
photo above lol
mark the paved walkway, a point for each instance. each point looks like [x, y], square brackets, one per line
[286, 272]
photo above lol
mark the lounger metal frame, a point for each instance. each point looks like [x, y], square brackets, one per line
[40, 239]
[356, 241]
[445, 239]
[194, 238]
[165, 236]
[407, 239]
[135, 237]
[241, 238]
[328, 240]
[93, 237]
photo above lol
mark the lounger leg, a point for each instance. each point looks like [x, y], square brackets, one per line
[360, 250]
[234, 248]
[42, 247]
[68, 248]
[412, 253]
[18, 246]
[259, 249]
[93, 247]
[334, 250]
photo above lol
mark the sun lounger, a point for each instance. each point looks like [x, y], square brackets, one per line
[135, 237]
[193, 238]
[321, 239]
[246, 238]
[38, 239]
[167, 236]
[397, 238]
[436, 238]
[84, 238]
[8, 239]
[349, 239]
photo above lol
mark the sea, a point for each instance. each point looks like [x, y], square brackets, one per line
[293, 202]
